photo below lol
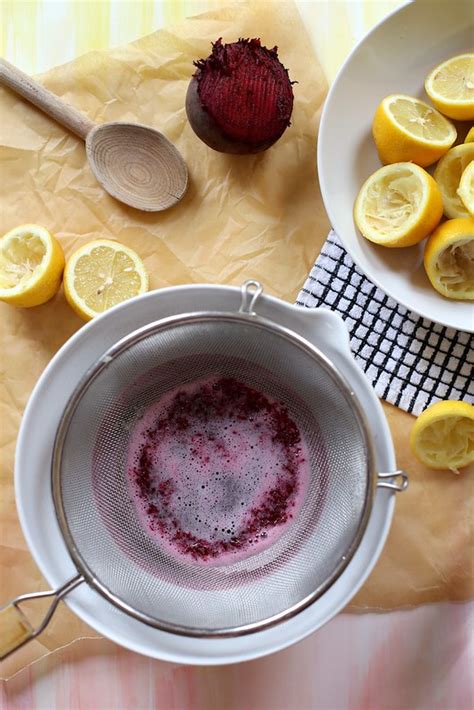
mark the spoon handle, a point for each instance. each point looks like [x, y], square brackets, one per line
[36, 94]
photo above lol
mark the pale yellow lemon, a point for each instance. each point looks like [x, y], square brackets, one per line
[466, 188]
[448, 175]
[449, 259]
[398, 205]
[450, 87]
[407, 129]
[31, 266]
[443, 435]
[102, 274]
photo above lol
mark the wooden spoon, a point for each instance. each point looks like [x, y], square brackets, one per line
[135, 164]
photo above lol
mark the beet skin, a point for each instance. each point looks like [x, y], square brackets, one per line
[240, 98]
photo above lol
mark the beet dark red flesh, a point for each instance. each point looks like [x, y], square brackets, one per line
[240, 98]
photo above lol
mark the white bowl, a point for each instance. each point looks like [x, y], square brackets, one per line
[394, 57]
[33, 473]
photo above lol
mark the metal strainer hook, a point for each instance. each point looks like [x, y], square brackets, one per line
[251, 291]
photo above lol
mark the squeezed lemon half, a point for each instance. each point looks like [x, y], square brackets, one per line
[449, 259]
[398, 205]
[31, 266]
[443, 435]
[466, 188]
[448, 175]
[102, 274]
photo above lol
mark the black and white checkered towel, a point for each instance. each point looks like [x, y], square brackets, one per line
[410, 361]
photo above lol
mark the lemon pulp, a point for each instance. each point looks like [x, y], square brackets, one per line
[105, 277]
[455, 80]
[455, 266]
[398, 205]
[466, 188]
[102, 274]
[419, 119]
[448, 176]
[20, 259]
[457, 435]
[31, 266]
[450, 87]
[391, 202]
[449, 259]
[443, 435]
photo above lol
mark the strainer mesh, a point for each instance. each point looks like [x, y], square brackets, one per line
[93, 498]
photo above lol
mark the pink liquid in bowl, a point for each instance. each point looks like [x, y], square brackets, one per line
[217, 471]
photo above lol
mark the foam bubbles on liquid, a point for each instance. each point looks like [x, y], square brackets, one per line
[217, 470]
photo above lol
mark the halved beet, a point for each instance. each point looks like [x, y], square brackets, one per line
[240, 98]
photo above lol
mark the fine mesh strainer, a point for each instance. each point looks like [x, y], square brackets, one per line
[109, 545]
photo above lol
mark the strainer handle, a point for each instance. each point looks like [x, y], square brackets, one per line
[16, 629]
[385, 481]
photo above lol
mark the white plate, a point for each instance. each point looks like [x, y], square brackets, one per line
[33, 474]
[394, 58]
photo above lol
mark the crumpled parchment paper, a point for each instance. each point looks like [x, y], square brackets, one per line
[258, 216]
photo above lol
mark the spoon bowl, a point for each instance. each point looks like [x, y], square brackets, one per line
[137, 165]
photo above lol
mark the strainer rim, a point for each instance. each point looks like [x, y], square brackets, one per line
[86, 381]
